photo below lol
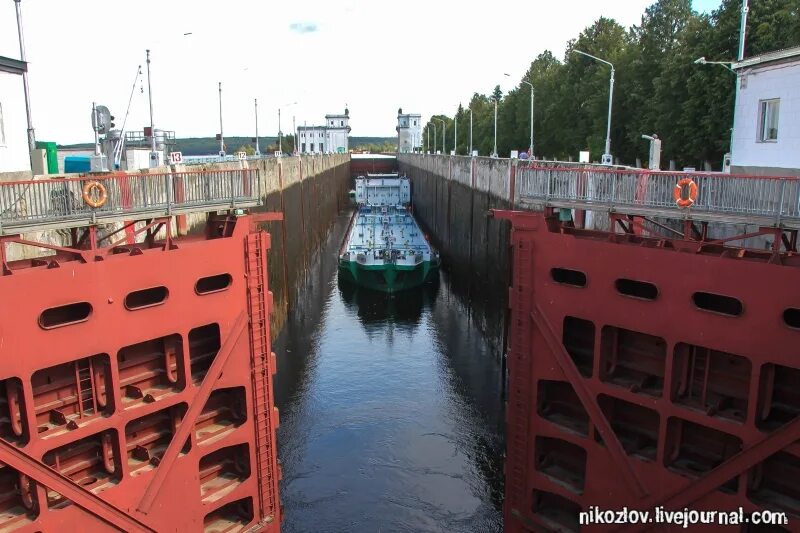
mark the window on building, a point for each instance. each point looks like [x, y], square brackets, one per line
[768, 130]
[415, 122]
[342, 122]
[2, 127]
[312, 147]
[321, 147]
[303, 147]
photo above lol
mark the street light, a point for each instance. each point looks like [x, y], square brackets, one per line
[455, 133]
[444, 129]
[221, 135]
[280, 143]
[494, 153]
[153, 157]
[150, 99]
[31, 133]
[434, 135]
[727, 65]
[530, 148]
[704, 61]
[607, 159]
[470, 130]
[258, 150]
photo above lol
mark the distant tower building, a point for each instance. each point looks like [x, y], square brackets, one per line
[409, 131]
[338, 130]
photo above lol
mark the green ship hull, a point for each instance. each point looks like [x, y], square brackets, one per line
[388, 278]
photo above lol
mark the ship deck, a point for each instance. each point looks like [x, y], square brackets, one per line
[380, 235]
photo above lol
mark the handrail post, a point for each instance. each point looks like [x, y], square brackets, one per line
[168, 184]
[258, 185]
[613, 189]
[780, 203]
[233, 187]
[549, 185]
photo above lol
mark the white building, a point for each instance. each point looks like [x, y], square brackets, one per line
[766, 123]
[311, 139]
[332, 137]
[409, 131]
[14, 156]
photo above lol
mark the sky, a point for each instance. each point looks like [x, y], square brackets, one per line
[424, 56]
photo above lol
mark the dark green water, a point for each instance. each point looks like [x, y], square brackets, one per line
[391, 414]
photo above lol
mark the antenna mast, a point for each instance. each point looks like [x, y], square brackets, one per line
[121, 142]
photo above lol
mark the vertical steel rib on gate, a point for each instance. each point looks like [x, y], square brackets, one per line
[259, 302]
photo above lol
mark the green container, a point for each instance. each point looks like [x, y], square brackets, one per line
[51, 149]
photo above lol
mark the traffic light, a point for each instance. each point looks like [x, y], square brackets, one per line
[102, 119]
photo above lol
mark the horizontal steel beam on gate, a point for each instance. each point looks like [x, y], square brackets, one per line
[60, 203]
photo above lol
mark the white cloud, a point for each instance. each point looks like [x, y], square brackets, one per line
[420, 55]
[303, 27]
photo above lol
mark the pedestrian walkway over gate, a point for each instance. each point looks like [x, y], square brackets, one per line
[48, 204]
[758, 200]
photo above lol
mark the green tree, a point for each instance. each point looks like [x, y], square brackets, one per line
[246, 148]
[659, 88]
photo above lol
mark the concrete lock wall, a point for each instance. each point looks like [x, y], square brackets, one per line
[309, 190]
[452, 196]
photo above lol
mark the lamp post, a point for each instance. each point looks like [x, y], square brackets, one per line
[280, 143]
[607, 158]
[727, 66]
[742, 29]
[150, 99]
[530, 147]
[470, 130]
[31, 133]
[494, 153]
[455, 133]
[444, 128]
[434, 136]
[221, 135]
[258, 150]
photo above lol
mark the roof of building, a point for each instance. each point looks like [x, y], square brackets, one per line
[337, 115]
[769, 57]
[14, 66]
[311, 128]
[409, 115]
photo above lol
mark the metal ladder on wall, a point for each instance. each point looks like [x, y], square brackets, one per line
[259, 303]
[84, 382]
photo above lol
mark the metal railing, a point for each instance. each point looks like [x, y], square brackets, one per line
[773, 201]
[58, 203]
[229, 158]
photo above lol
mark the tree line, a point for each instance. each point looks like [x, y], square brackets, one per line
[659, 88]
